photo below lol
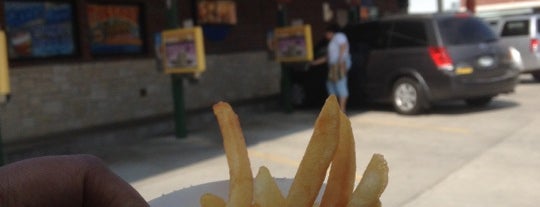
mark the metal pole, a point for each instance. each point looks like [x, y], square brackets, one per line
[179, 108]
[176, 80]
[285, 70]
[354, 14]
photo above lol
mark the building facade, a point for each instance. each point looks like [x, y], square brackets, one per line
[494, 8]
[81, 64]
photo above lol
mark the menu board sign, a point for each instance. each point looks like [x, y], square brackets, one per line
[39, 29]
[114, 29]
[183, 50]
[293, 44]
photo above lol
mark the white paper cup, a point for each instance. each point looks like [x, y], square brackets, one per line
[189, 197]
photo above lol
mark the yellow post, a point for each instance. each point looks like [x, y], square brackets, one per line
[4, 74]
[4, 82]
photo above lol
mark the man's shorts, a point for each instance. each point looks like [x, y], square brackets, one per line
[338, 88]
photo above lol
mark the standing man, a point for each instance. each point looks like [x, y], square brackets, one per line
[339, 62]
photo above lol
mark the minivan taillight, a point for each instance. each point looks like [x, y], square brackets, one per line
[534, 45]
[441, 58]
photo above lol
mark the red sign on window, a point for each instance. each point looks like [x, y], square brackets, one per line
[115, 29]
[217, 12]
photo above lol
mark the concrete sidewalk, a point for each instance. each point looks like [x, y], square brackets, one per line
[164, 164]
[432, 163]
[455, 156]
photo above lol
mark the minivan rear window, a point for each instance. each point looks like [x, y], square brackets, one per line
[515, 28]
[458, 31]
[408, 34]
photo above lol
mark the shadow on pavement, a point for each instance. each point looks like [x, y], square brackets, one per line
[142, 157]
[138, 159]
[158, 155]
[459, 107]
[447, 108]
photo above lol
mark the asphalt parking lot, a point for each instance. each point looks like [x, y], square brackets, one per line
[453, 156]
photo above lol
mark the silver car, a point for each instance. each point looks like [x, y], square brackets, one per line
[522, 33]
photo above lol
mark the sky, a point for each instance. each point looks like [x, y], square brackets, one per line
[427, 6]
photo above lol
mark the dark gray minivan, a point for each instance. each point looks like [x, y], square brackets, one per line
[415, 60]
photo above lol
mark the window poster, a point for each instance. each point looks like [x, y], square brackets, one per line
[293, 44]
[114, 29]
[183, 50]
[39, 29]
[216, 12]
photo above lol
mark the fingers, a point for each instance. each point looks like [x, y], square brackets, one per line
[73, 180]
[104, 188]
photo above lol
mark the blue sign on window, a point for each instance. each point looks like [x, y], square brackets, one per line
[39, 29]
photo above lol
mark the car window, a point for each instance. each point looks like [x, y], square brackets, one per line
[372, 35]
[515, 28]
[364, 32]
[408, 34]
[465, 30]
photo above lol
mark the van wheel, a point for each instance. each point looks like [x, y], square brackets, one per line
[478, 102]
[407, 96]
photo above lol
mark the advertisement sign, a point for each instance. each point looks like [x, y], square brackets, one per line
[39, 29]
[216, 12]
[293, 44]
[183, 50]
[114, 29]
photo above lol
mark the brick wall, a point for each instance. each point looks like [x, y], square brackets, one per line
[487, 2]
[63, 97]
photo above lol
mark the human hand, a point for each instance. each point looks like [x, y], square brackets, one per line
[72, 180]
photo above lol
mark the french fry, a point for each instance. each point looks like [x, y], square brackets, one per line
[372, 184]
[318, 155]
[340, 183]
[211, 200]
[266, 191]
[332, 144]
[241, 177]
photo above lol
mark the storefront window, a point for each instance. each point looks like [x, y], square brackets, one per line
[114, 29]
[39, 29]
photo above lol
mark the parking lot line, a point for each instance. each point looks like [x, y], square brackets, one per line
[454, 130]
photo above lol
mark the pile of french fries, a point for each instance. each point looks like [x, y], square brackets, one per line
[331, 146]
